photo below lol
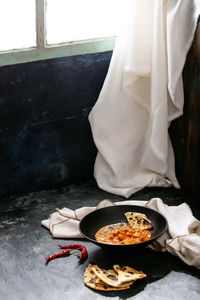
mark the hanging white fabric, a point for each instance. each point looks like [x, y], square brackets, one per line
[141, 95]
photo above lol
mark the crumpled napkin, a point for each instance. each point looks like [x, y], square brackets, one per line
[182, 237]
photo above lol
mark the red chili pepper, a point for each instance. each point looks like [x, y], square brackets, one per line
[82, 255]
[52, 256]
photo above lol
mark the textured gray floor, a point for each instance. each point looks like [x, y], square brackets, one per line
[24, 244]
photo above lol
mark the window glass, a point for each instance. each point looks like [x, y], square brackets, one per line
[74, 20]
[17, 23]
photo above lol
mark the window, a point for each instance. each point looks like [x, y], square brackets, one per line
[41, 29]
[17, 24]
[76, 20]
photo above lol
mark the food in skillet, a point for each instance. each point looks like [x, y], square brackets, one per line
[135, 231]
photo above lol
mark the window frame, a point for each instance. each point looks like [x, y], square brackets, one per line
[43, 51]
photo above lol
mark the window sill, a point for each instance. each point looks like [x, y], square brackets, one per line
[70, 49]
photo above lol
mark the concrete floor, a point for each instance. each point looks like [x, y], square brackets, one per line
[25, 243]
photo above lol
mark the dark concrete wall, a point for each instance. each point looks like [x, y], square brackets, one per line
[45, 137]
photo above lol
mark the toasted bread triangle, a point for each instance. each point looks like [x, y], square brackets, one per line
[138, 220]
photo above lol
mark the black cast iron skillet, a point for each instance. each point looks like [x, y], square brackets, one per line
[92, 222]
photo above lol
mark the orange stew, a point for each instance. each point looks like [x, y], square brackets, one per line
[122, 234]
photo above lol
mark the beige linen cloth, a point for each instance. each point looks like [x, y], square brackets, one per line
[141, 95]
[182, 237]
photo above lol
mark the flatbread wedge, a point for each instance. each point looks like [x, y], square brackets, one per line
[138, 220]
[113, 279]
[126, 273]
[94, 282]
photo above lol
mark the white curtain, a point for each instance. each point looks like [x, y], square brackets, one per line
[141, 95]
